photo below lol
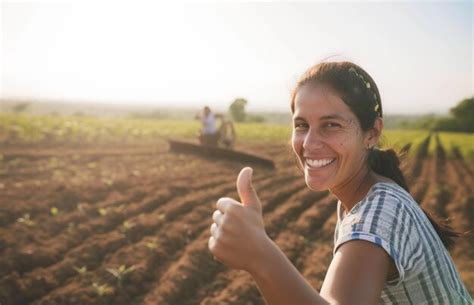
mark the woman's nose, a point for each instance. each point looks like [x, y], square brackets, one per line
[312, 141]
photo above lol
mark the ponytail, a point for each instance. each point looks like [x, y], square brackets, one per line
[387, 163]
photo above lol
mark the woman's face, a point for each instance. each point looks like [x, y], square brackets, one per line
[327, 138]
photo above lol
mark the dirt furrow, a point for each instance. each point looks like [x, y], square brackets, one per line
[91, 252]
[460, 210]
[23, 259]
[81, 255]
[67, 198]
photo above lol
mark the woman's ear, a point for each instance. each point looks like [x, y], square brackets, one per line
[373, 135]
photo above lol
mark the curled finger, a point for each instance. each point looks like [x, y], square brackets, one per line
[211, 244]
[213, 230]
[217, 217]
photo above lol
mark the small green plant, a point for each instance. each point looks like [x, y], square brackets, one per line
[127, 225]
[107, 182]
[54, 211]
[119, 208]
[102, 290]
[26, 219]
[102, 211]
[125, 229]
[151, 245]
[120, 273]
[80, 270]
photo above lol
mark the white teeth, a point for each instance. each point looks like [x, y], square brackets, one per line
[318, 163]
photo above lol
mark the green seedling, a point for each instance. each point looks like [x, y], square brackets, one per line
[102, 290]
[54, 211]
[102, 211]
[81, 270]
[25, 219]
[120, 273]
[151, 245]
[119, 208]
[108, 182]
[127, 225]
[125, 229]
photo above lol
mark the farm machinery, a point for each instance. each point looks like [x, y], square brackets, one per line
[221, 146]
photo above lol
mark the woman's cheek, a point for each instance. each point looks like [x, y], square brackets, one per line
[296, 143]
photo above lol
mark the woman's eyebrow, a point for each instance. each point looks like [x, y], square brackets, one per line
[324, 117]
[298, 118]
[332, 117]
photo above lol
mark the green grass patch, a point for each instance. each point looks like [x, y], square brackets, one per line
[57, 129]
[464, 141]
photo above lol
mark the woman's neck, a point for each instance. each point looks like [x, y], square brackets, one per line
[356, 188]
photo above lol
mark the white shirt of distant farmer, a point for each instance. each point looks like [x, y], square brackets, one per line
[209, 124]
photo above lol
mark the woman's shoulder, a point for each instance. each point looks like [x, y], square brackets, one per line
[382, 197]
[382, 217]
[393, 193]
[380, 210]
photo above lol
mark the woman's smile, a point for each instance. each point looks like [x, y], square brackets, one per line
[316, 164]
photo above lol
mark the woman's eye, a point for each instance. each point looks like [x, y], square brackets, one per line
[332, 125]
[300, 125]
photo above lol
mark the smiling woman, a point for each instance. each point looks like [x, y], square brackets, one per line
[387, 250]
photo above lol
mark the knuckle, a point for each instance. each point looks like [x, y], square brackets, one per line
[222, 201]
[211, 244]
[216, 216]
[234, 210]
[225, 227]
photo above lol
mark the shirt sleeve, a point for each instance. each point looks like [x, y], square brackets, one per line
[378, 219]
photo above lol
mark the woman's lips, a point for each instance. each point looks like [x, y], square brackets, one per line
[318, 163]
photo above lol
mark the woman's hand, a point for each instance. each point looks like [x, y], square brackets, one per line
[238, 237]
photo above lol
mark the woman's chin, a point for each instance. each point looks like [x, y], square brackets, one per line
[316, 186]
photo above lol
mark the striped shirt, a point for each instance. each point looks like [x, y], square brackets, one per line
[389, 217]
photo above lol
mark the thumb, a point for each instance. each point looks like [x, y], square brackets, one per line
[247, 193]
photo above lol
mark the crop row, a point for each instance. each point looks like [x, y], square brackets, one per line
[22, 129]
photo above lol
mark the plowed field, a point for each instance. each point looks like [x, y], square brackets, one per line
[130, 225]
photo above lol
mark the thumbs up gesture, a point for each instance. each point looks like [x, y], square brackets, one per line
[238, 237]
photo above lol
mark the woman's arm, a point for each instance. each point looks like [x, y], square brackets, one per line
[356, 275]
[281, 283]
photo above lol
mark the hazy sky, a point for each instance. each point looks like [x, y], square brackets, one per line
[420, 54]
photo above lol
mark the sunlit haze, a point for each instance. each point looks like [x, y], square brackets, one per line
[420, 55]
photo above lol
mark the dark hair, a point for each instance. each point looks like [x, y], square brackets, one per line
[358, 91]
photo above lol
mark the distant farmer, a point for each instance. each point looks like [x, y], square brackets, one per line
[226, 133]
[209, 133]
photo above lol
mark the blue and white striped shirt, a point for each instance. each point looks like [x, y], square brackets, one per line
[389, 217]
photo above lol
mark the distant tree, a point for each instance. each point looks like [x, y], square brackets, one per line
[237, 109]
[461, 118]
[20, 107]
[464, 109]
